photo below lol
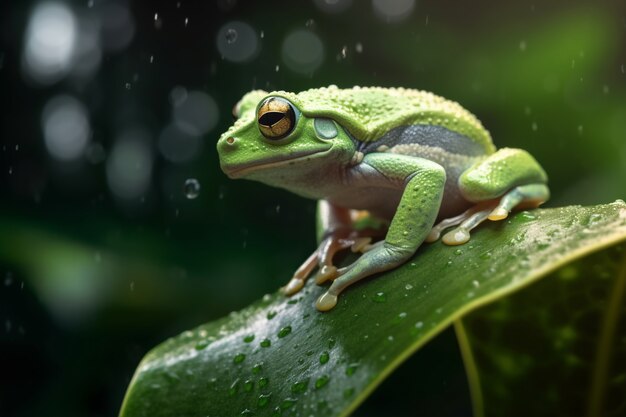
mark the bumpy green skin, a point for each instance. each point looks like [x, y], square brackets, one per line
[406, 156]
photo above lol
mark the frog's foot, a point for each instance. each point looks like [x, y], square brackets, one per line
[323, 257]
[327, 271]
[524, 196]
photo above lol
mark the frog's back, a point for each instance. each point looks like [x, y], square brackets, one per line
[377, 116]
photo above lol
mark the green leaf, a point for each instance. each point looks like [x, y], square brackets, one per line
[281, 356]
[557, 348]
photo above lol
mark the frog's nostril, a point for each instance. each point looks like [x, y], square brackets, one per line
[230, 140]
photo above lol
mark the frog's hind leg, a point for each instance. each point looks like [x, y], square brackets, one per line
[506, 180]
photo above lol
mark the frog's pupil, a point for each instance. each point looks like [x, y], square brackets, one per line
[271, 118]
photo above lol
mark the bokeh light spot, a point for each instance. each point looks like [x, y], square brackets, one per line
[392, 11]
[66, 128]
[49, 43]
[129, 166]
[303, 51]
[237, 42]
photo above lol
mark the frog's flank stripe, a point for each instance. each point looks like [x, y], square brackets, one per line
[427, 135]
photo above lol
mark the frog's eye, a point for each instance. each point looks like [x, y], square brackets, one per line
[276, 118]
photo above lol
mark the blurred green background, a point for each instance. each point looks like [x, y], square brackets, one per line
[110, 107]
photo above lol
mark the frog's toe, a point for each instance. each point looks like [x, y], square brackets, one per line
[361, 244]
[499, 213]
[326, 302]
[530, 195]
[327, 272]
[457, 236]
[293, 286]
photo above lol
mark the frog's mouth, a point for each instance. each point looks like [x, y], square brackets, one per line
[238, 171]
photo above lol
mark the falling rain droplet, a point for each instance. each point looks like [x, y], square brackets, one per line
[192, 188]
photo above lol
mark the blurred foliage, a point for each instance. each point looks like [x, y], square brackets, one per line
[90, 281]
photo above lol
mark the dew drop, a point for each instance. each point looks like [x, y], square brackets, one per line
[287, 403]
[264, 399]
[248, 385]
[240, 357]
[191, 188]
[324, 357]
[321, 381]
[331, 343]
[300, 386]
[351, 369]
[379, 297]
[234, 387]
[202, 344]
[284, 331]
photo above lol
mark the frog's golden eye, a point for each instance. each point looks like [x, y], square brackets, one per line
[276, 118]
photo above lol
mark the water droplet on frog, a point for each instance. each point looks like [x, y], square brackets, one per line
[263, 382]
[231, 36]
[321, 381]
[402, 315]
[271, 315]
[240, 357]
[234, 387]
[249, 338]
[408, 287]
[331, 343]
[458, 252]
[284, 331]
[324, 357]
[191, 188]
[379, 297]
[257, 368]
[476, 284]
[265, 343]
[419, 325]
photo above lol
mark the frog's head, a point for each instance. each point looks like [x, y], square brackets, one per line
[273, 140]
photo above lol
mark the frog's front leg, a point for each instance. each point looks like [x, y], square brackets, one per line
[334, 233]
[423, 183]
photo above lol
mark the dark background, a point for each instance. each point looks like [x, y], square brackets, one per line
[102, 253]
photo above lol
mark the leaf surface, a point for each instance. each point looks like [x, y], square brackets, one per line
[280, 356]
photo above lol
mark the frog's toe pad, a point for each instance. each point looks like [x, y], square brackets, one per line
[457, 236]
[326, 302]
[328, 272]
[293, 286]
[499, 213]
